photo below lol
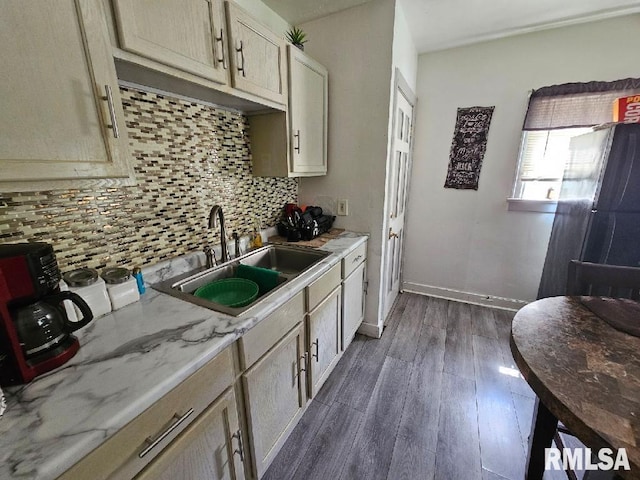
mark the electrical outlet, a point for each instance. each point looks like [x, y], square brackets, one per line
[343, 207]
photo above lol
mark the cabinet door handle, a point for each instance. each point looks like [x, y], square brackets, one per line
[112, 112]
[317, 345]
[296, 146]
[154, 443]
[392, 234]
[305, 357]
[241, 52]
[298, 368]
[240, 449]
[223, 58]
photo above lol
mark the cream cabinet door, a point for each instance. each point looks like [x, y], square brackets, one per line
[275, 397]
[59, 96]
[257, 56]
[353, 306]
[209, 449]
[324, 339]
[308, 100]
[186, 34]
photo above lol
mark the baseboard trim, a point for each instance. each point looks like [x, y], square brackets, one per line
[370, 330]
[466, 297]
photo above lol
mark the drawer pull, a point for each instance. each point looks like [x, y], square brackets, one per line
[298, 366]
[154, 443]
[220, 40]
[296, 136]
[357, 258]
[241, 52]
[240, 449]
[304, 358]
[112, 112]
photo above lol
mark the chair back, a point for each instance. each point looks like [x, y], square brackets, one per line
[603, 280]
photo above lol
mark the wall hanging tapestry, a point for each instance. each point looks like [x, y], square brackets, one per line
[468, 147]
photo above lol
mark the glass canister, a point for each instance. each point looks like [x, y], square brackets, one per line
[87, 283]
[121, 286]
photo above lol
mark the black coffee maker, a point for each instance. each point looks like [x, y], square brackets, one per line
[35, 332]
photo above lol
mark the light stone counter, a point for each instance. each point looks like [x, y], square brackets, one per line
[128, 360]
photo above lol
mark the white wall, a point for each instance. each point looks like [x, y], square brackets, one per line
[405, 55]
[266, 15]
[356, 47]
[467, 241]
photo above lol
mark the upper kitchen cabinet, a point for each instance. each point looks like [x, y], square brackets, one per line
[308, 99]
[189, 35]
[257, 56]
[61, 120]
[294, 145]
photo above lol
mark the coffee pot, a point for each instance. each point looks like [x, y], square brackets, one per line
[35, 332]
[43, 327]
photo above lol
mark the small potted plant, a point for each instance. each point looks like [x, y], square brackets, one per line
[297, 37]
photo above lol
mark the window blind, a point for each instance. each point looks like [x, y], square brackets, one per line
[574, 105]
[544, 153]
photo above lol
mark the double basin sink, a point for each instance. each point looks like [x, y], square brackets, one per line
[288, 261]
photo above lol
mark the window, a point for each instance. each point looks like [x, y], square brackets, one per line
[543, 156]
[554, 116]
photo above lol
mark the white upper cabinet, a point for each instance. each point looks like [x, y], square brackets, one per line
[257, 56]
[61, 118]
[294, 144]
[308, 98]
[189, 35]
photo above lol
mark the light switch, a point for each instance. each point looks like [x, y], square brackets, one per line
[343, 207]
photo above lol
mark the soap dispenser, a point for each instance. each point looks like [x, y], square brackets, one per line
[256, 238]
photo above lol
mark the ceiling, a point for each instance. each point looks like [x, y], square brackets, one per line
[440, 24]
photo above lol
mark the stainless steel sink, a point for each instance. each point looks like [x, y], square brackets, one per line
[288, 261]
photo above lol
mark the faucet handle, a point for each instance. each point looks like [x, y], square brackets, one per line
[236, 240]
[211, 257]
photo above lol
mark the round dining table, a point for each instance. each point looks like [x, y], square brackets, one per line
[585, 373]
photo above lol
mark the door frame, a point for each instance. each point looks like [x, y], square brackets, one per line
[400, 87]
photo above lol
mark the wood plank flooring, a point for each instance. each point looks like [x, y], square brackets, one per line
[437, 397]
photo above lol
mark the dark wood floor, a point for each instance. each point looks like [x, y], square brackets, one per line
[437, 397]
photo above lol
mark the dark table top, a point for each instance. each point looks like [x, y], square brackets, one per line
[586, 372]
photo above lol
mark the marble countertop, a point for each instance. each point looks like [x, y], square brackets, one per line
[586, 372]
[128, 360]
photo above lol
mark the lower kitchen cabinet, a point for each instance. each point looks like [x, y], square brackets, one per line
[275, 397]
[202, 430]
[324, 339]
[353, 308]
[209, 449]
[147, 437]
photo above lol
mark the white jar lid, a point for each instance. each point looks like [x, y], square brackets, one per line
[81, 277]
[113, 275]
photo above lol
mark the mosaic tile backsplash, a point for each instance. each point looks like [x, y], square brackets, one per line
[187, 158]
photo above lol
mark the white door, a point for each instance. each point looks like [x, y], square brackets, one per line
[397, 182]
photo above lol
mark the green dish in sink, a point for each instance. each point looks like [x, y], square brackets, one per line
[232, 292]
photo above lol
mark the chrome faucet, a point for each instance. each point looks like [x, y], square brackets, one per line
[216, 211]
